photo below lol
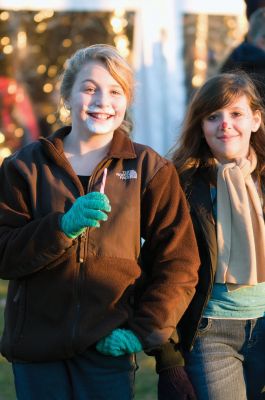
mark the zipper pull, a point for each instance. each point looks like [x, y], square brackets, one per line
[82, 247]
[15, 299]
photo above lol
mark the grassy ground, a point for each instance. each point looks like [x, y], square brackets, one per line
[6, 380]
[146, 379]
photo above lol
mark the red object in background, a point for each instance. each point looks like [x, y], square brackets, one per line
[16, 110]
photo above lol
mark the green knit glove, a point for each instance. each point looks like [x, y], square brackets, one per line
[87, 211]
[118, 343]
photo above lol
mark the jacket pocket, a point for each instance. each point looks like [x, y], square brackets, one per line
[204, 326]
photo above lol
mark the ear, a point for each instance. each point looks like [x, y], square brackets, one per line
[66, 105]
[256, 121]
[260, 42]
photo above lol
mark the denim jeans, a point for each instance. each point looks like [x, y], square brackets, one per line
[90, 376]
[227, 361]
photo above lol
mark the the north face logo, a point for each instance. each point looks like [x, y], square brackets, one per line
[124, 175]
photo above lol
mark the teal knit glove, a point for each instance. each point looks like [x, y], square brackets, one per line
[118, 343]
[87, 211]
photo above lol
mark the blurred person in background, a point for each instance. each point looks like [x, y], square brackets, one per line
[249, 56]
[252, 6]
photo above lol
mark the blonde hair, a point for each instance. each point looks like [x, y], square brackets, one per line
[116, 65]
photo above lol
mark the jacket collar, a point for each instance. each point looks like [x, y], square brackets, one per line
[198, 194]
[121, 146]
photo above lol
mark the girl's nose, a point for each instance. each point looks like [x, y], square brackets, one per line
[102, 99]
[223, 125]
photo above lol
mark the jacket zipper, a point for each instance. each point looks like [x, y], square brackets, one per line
[81, 257]
[83, 240]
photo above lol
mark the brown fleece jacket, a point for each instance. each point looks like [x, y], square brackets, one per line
[64, 294]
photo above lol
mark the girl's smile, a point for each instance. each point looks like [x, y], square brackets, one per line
[228, 131]
[97, 101]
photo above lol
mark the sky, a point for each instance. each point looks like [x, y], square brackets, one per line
[192, 6]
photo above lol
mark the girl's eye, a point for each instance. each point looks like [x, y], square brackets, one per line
[90, 90]
[116, 92]
[236, 114]
[212, 117]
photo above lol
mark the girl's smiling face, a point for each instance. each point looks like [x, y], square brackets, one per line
[97, 101]
[227, 131]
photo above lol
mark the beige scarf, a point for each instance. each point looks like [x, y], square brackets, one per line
[240, 224]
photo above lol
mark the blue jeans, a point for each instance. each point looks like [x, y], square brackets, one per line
[228, 360]
[90, 376]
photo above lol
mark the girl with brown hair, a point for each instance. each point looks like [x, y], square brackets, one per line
[220, 157]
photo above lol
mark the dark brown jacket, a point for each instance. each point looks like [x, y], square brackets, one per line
[64, 294]
[197, 190]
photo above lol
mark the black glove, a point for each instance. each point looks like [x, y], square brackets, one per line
[174, 384]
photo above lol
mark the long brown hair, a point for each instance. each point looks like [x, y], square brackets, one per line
[191, 149]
